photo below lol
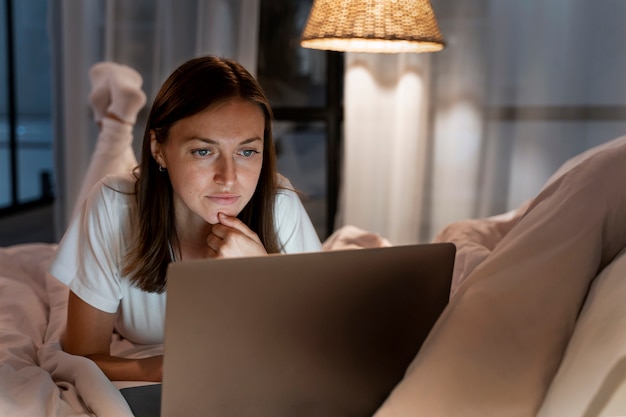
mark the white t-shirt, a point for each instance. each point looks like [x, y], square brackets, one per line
[89, 257]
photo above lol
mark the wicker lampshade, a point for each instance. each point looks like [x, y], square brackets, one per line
[389, 26]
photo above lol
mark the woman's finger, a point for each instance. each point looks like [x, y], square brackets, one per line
[236, 224]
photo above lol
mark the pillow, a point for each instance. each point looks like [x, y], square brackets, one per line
[591, 380]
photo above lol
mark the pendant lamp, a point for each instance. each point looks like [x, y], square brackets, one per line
[382, 26]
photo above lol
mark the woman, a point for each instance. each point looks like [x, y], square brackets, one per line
[206, 187]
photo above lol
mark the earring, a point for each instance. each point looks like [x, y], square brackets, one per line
[161, 169]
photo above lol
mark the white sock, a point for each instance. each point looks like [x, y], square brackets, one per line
[127, 98]
[100, 95]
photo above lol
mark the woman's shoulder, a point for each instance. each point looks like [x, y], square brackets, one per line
[122, 183]
[293, 225]
[116, 186]
[115, 190]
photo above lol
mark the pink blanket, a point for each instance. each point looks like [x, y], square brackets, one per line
[36, 377]
[520, 284]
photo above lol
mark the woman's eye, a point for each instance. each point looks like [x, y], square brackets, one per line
[202, 152]
[249, 152]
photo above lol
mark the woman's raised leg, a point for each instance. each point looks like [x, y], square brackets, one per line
[116, 98]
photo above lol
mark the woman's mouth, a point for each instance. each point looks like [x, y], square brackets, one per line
[224, 199]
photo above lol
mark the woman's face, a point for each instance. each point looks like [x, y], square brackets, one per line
[214, 160]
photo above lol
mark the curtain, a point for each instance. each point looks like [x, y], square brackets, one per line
[386, 111]
[476, 129]
[152, 36]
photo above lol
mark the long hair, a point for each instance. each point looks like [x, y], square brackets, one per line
[196, 86]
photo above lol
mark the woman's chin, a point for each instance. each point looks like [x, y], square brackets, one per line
[213, 218]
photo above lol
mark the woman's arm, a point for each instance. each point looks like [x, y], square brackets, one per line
[88, 334]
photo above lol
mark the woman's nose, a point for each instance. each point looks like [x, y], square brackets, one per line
[225, 172]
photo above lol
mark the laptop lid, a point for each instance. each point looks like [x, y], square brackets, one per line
[313, 334]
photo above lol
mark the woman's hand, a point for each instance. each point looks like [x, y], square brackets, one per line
[231, 238]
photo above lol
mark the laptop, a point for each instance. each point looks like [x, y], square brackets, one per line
[312, 334]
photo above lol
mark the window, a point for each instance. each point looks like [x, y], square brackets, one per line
[26, 155]
[305, 89]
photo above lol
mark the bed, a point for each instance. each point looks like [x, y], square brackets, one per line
[38, 379]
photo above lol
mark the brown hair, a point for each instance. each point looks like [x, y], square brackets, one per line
[197, 85]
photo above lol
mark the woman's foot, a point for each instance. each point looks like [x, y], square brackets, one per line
[116, 92]
[100, 96]
[127, 97]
